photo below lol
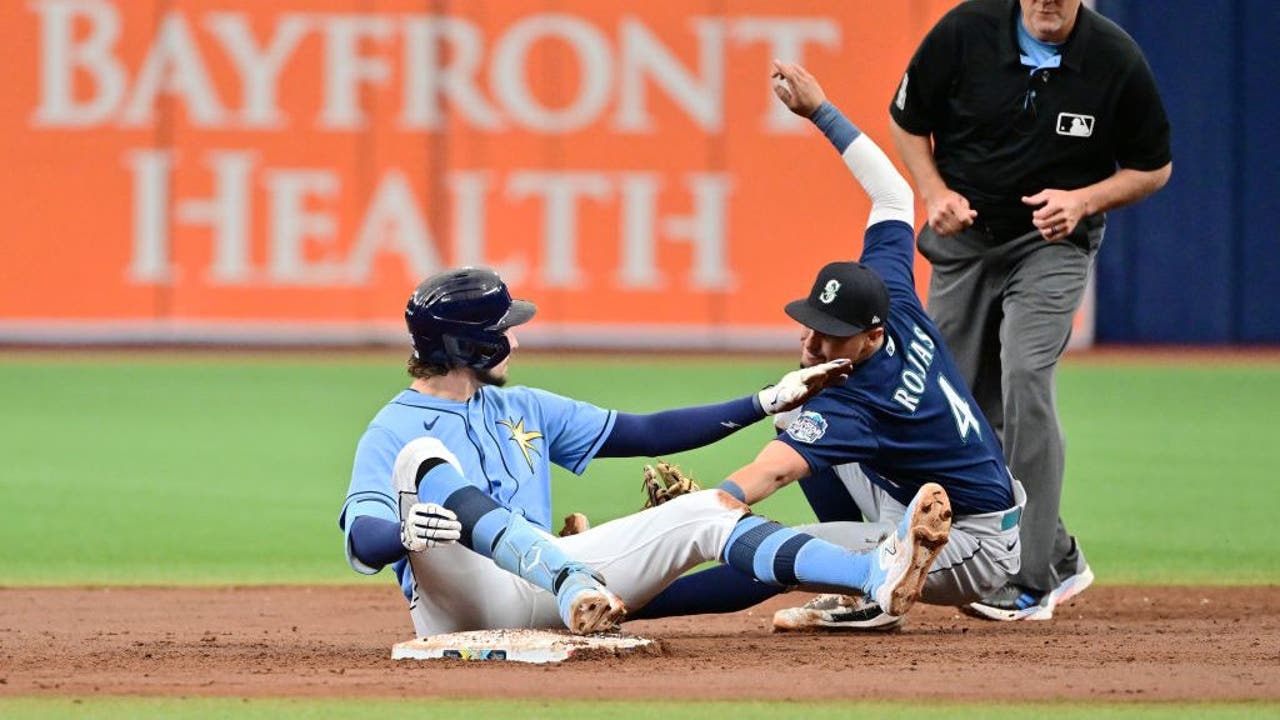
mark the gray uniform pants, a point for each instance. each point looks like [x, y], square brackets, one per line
[980, 556]
[1005, 310]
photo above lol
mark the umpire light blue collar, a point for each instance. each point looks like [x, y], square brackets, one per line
[846, 299]
[1072, 52]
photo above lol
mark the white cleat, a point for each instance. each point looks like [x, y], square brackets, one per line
[836, 612]
[1072, 586]
[902, 560]
[1067, 589]
[1014, 602]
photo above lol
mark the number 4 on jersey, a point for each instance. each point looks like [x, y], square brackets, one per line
[965, 421]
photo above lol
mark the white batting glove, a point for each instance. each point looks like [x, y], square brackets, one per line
[427, 525]
[797, 386]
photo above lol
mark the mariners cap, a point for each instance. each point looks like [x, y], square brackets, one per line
[846, 299]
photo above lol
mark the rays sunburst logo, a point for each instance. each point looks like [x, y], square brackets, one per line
[522, 438]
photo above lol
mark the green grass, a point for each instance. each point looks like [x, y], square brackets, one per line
[231, 469]
[1171, 471]
[275, 709]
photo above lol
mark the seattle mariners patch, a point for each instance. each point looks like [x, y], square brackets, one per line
[808, 428]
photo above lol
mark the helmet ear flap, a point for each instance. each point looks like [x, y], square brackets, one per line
[428, 349]
[481, 353]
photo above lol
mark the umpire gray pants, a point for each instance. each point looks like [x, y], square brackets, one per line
[1005, 310]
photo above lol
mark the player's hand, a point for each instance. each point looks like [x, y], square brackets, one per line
[1060, 211]
[796, 88]
[796, 387]
[949, 212]
[427, 525]
[575, 524]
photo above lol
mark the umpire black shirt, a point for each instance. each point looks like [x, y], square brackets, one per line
[1001, 131]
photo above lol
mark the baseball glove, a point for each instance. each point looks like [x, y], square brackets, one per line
[665, 482]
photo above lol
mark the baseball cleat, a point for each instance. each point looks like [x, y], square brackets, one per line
[902, 560]
[1011, 602]
[1015, 602]
[1069, 588]
[587, 606]
[836, 612]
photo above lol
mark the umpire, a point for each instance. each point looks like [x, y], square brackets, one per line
[1022, 123]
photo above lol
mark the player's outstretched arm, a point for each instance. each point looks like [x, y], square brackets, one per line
[891, 196]
[682, 429]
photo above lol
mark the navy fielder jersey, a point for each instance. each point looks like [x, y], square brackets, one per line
[505, 438]
[905, 414]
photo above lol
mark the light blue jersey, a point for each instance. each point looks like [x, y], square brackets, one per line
[504, 438]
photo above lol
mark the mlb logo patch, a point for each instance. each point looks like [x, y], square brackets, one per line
[1075, 125]
[808, 428]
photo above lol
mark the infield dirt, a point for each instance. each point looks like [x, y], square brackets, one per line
[1114, 643]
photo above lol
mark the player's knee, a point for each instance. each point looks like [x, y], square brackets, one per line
[418, 457]
[706, 502]
[728, 501]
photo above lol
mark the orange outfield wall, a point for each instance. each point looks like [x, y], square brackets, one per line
[289, 170]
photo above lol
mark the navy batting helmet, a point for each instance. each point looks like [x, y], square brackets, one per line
[457, 318]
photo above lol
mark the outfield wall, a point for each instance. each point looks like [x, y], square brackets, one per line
[1199, 263]
[243, 171]
[284, 172]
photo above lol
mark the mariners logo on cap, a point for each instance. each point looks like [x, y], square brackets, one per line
[829, 292]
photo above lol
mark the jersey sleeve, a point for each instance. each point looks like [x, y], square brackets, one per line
[889, 241]
[370, 492]
[830, 431]
[891, 196]
[889, 248]
[1142, 137]
[574, 430]
[920, 101]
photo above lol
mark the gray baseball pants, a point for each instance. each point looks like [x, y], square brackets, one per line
[979, 557]
[1005, 310]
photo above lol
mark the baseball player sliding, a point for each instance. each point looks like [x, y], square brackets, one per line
[451, 487]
